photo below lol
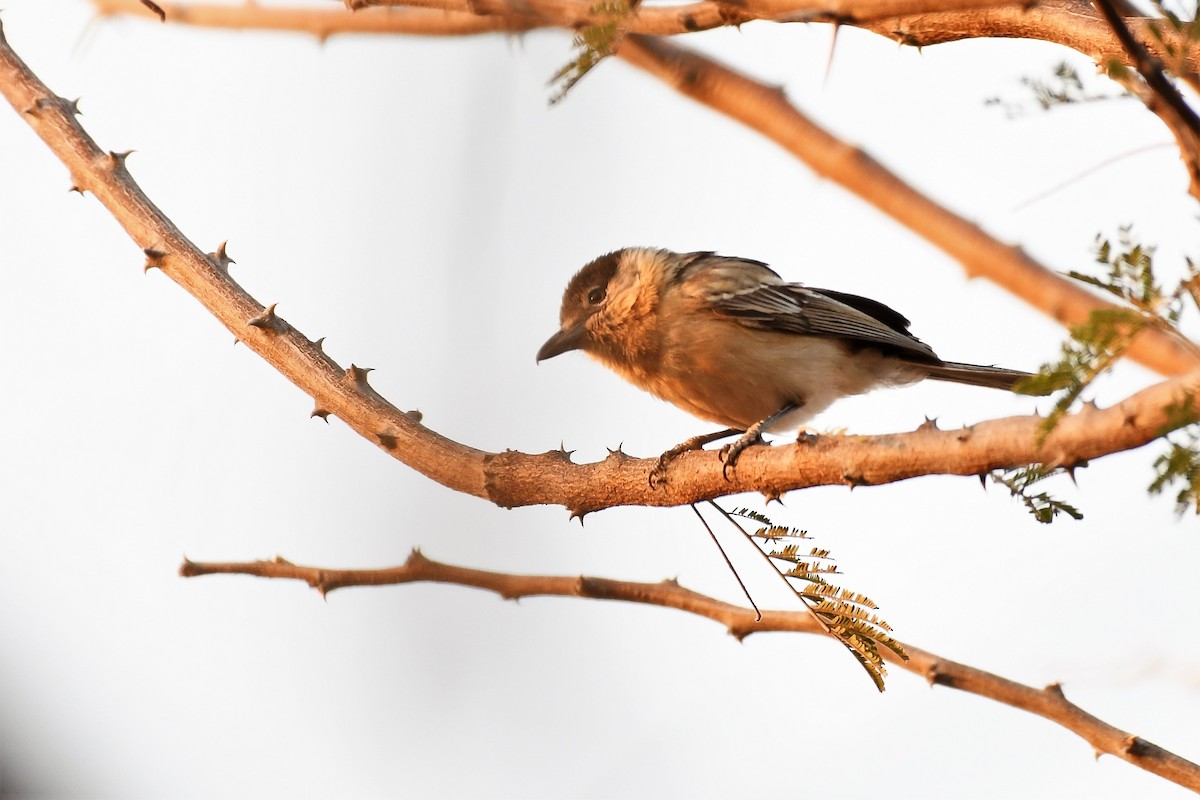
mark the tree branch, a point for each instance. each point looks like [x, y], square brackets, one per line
[919, 23]
[1049, 703]
[515, 479]
[1159, 94]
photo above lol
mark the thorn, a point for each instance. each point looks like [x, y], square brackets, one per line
[320, 344]
[415, 415]
[772, 496]
[964, 434]
[930, 424]
[116, 159]
[75, 187]
[853, 480]
[154, 259]
[278, 559]
[1055, 689]
[267, 320]
[1071, 474]
[35, 110]
[670, 583]
[983, 476]
[415, 559]
[1089, 406]
[933, 673]
[1134, 745]
[387, 440]
[156, 8]
[323, 413]
[359, 375]
[1096, 754]
[578, 514]
[221, 258]
[68, 107]
[563, 453]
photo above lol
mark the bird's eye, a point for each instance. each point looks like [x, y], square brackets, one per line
[596, 295]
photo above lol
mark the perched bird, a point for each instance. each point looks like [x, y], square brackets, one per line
[730, 341]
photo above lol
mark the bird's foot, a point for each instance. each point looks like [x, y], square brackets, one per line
[731, 452]
[658, 475]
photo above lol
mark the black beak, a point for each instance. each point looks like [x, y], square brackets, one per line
[561, 342]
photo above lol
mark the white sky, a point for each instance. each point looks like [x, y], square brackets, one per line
[416, 202]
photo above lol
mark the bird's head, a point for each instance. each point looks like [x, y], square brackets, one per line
[608, 307]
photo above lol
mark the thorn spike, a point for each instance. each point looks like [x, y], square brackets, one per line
[221, 257]
[358, 375]
[117, 160]
[154, 259]
[267, 320]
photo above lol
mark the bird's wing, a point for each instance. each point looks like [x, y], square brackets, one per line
[792, 308]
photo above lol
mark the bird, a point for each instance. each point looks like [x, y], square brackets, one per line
[731, 342]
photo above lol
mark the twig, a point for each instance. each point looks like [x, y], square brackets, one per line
[1049, 703]
[1164, 99]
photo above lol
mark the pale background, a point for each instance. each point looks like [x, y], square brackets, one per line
[417, 202]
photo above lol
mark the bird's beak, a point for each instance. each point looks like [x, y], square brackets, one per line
[561, 342]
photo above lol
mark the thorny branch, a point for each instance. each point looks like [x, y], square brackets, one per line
[514, 479]
[919, 23]
[1049, 703]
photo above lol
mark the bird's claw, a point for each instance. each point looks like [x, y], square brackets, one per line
[730, 453]
[658, 475]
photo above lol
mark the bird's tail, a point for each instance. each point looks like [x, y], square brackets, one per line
[974, 375]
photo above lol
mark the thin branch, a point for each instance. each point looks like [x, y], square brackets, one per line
[1049, 703]
[1161, 97]
[920, 23]
[513, 478]
[323, 23]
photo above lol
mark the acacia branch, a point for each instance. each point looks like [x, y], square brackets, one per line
[1159, 95]
[516, 479]
[1049, 703]
[920, 23]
